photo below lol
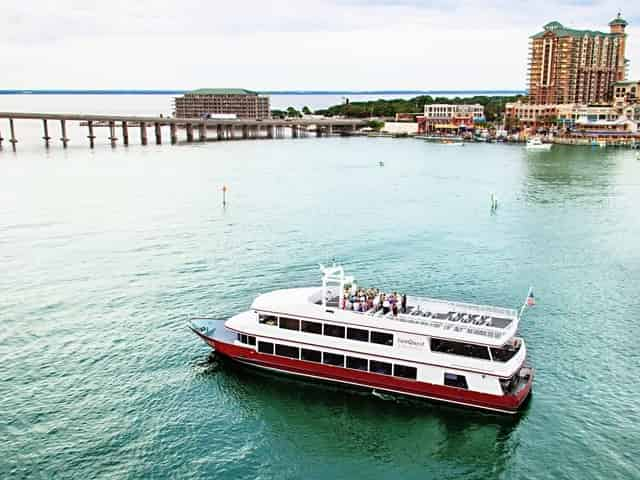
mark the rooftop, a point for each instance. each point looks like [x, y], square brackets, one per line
[222, 91]
[562, 31]
[618, 21]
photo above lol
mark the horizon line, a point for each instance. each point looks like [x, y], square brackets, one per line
[26, 91]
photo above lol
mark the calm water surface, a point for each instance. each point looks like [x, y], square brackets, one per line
[104, 253]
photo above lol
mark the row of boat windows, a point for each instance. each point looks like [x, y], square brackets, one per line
[382, 338]
[338, 360]
[338, 331]
[471, 350]
[354, 363]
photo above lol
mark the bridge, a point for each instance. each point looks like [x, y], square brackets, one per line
[223, 129]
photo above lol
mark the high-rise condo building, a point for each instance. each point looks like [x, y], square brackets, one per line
[576, 66]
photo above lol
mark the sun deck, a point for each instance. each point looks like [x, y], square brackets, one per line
[467, 322]
[485, 321]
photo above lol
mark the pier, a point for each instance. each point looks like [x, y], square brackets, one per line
[207, 129]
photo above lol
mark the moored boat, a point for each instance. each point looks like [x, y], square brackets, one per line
[459, 353]
[536, 143]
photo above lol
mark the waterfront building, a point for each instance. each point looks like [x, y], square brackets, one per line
[222, 101]
[525, 115]
[572, 114]
[576, 66]
[400, 128]
[626, 92]
[620, 126]
[450, 117]
[530, 116]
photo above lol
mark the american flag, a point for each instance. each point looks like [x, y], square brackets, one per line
[531, 301]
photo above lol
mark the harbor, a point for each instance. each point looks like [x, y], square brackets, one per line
[213, 267]
[108, 251]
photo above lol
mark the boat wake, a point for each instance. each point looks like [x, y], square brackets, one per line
[384, 396]
[210, 364]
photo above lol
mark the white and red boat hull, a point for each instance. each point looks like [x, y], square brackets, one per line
[384, 383]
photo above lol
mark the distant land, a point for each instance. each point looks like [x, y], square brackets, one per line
[267, 92]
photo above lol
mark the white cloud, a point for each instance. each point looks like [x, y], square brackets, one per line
[281, 44]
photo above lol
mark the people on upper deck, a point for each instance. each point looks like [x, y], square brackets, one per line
[373, 300]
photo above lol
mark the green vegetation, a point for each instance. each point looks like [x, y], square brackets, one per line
[493, 106]
[293, 113]
[290, 112]
[377, 125]
[306, 110]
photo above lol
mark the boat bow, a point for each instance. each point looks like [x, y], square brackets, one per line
[210, 329]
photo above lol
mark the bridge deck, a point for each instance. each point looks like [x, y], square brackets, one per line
[178, 121]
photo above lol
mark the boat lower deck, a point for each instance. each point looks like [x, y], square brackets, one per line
[369, 379]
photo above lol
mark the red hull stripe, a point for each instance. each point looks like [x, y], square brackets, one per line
[277, 339]
[507, 403]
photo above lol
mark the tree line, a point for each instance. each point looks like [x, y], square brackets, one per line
[493, 107]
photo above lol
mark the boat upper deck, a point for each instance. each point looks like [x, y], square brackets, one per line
[340, 300]
[478, 320]
[465, 322]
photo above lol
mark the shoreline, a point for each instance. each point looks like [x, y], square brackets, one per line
[263, 92]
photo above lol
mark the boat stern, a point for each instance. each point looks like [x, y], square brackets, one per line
[524, 386]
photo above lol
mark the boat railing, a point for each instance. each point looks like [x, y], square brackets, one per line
[449, 326]
[508, 317]
[443, 306]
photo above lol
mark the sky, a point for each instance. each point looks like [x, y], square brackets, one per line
[286, 45]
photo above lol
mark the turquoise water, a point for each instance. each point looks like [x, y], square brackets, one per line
[105, 253]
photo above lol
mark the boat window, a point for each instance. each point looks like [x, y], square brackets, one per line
[287, 351]
[311, 355]
[333, 359]
[252, 340]
[358, 334]
[453, 380]
[244, 339]
[405, 371]
[379, 367]
[333, 330]
[381, 338]
[312, 327]
[289, 323]
[459, 348]
[265, 347]
[358, 363]
[268, 319]
[239, 337]
[505, 353]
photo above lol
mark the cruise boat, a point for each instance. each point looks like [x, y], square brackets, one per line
[535, 143]
[459, 353]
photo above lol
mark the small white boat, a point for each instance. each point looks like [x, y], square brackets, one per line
[535, 143]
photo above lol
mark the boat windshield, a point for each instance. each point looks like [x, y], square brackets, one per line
[507, 352]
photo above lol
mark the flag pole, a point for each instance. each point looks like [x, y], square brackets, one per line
[526, 302]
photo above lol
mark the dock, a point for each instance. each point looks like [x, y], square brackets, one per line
[207, 129]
